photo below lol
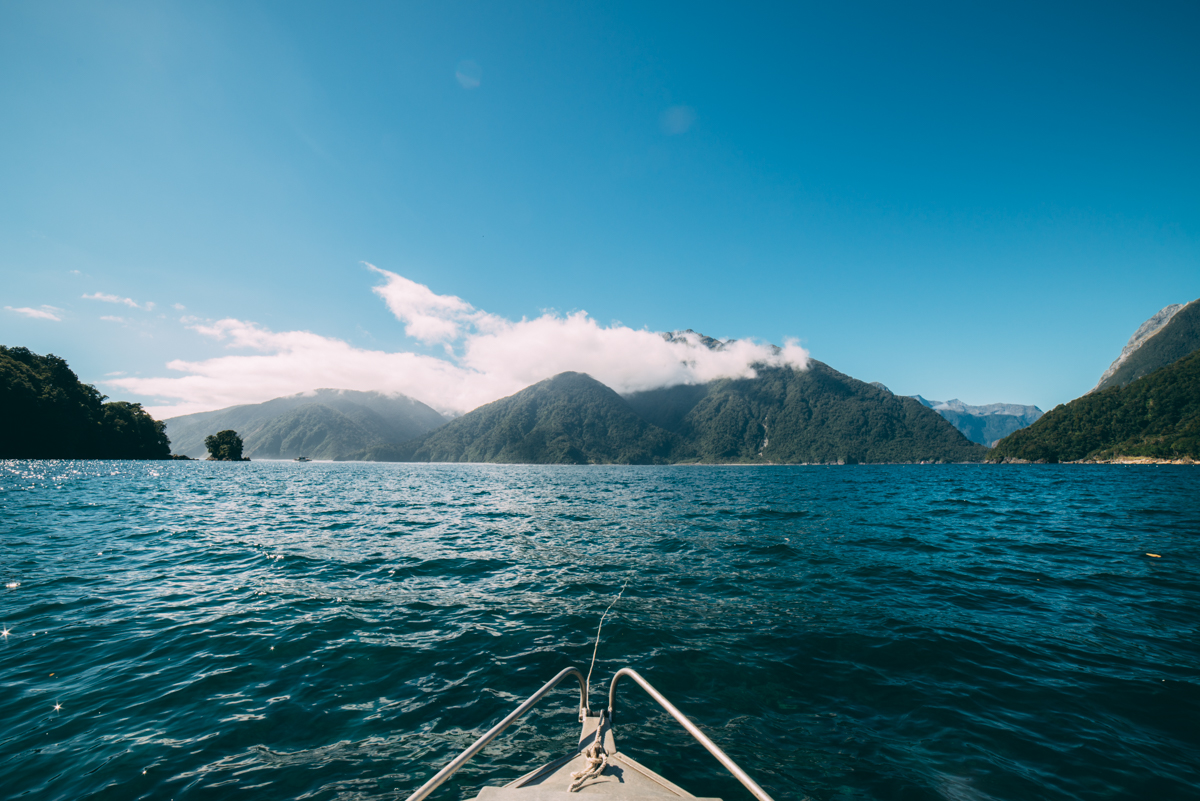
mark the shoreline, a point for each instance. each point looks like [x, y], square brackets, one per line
[1115, 460]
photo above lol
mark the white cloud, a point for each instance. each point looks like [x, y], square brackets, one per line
[487, 357]
[43, 312]
[113, 319]
[178, 306]
[428, 317]
[130, 302]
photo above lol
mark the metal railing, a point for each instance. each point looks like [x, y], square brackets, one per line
[584, 709]
[460, 760]
[691, 728]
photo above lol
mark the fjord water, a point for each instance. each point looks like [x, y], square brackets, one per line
[338, 631]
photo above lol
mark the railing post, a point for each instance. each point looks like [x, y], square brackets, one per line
[445, 773]
[691, 728]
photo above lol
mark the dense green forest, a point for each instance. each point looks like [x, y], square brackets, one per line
[782, 416]
[50, 414]
[1157, 416]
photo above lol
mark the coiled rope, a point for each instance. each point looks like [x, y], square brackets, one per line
[596, 760]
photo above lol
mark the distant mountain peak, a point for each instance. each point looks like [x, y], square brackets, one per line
[986, 424]
[690, 337]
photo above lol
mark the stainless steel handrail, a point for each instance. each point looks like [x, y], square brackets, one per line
[460, 760]
[712, 747]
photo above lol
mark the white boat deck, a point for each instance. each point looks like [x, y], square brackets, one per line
[622, 779]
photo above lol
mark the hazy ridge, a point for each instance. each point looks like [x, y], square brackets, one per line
[986, 424]
[323, 424]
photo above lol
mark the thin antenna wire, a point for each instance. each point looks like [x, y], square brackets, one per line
[588, 683]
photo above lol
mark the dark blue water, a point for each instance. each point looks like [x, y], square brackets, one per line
[339, 631]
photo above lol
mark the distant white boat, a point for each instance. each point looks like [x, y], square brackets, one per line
[303, 459]
[595, 769]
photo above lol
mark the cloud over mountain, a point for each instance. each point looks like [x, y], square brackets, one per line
[487, 357]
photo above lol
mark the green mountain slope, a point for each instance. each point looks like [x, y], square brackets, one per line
[568, 419]
[818, 415]
[1178, 338]
[48, 413]
[1157, 416]
[316, 431]
[346, 423]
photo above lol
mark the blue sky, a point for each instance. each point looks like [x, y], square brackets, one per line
[958, 201]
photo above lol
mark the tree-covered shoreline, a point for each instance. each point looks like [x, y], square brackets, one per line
[50, 414]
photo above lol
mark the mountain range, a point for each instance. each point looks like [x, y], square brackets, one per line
[782, 415]
[322, 424]
[987, 424]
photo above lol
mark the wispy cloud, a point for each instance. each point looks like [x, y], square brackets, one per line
[113, 318]
[487, 357]
[677, 119]
[43, 312]
[468, 74]
[130, 302]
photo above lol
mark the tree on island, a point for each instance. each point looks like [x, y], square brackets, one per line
[224, 446]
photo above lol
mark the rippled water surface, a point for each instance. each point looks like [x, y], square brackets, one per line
[338, 631]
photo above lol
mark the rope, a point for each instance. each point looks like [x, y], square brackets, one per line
[596, 760]
[588, 683]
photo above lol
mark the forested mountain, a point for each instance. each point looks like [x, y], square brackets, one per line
[48, 413]
[818, 415]
[1157, 416]
[569, 419]
[323, 424]
[987, 424]
[1163, 339]
[782, 416]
